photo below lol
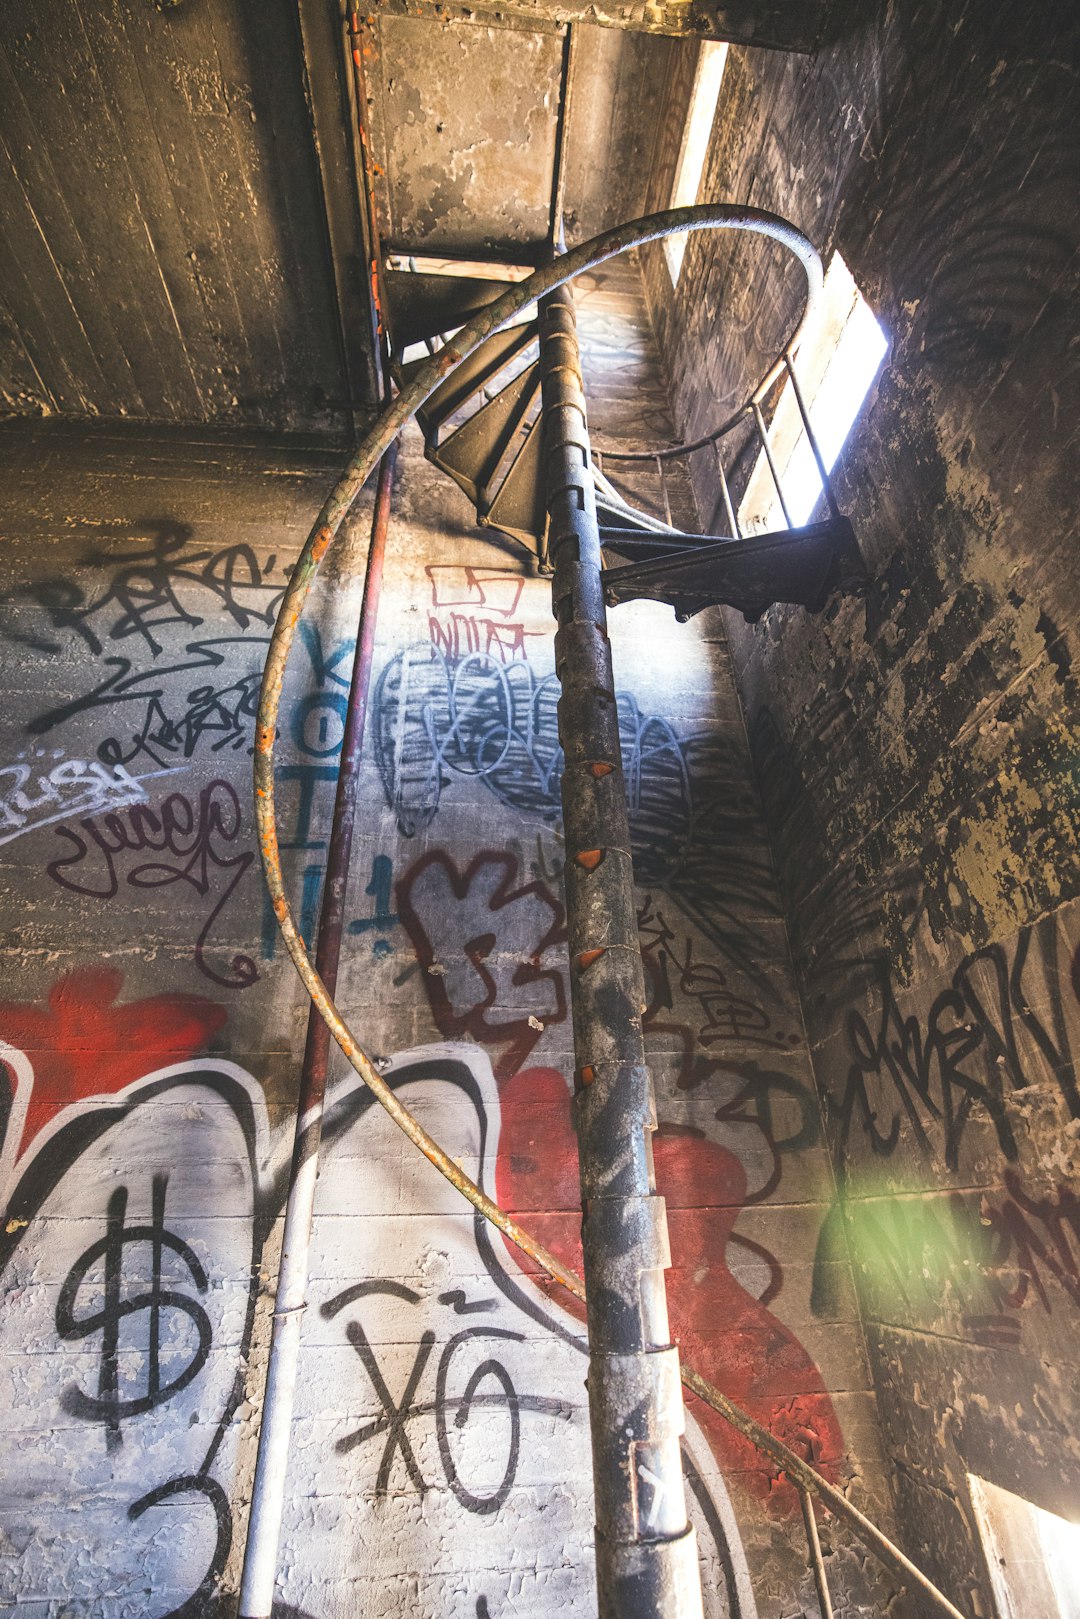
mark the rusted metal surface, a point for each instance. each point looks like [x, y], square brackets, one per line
[646, 1551]
[329, 94]
[382, 433]
[376, 301]
[464, 123]
[384, 430]
[570, 57]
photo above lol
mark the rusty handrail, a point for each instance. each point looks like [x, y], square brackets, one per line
[718, 216]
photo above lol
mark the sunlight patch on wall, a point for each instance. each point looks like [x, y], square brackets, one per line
[695, 142]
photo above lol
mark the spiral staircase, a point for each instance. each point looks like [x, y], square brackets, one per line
[498, 394]
[483, 428]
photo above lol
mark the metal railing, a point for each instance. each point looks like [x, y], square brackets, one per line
[751, 410]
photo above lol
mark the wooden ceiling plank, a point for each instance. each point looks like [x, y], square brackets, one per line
[23, 390]
[275, 56]
[274, 222]
[212, 88]
[166, 301]
[40, 301]
[330, 90]
[59, 82]
[160, 63]
[103, 375]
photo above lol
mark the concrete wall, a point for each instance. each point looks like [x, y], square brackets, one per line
[916, 751]
[153, 1031]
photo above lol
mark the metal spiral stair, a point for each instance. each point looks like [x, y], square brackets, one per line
[483, 428]
[637, 1570]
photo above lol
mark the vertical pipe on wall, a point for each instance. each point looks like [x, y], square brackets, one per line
[268, 1493]
[646, 1551]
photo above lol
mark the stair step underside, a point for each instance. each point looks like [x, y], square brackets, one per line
[520, 507]
[422, 305]
[475, 453]
[802, 566]
[473, 374]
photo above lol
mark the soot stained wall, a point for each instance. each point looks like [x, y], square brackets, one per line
[152, 1033]
[917, 750]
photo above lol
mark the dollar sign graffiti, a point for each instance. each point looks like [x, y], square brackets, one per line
[108, 1405]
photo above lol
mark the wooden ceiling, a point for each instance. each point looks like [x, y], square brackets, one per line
[182, 239]
[164, 252]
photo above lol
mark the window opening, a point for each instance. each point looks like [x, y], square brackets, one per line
[1033, 1555]
[695, 142]
[836, 366]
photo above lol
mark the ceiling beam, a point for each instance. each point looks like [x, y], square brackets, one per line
[784, 25]
[331, 103]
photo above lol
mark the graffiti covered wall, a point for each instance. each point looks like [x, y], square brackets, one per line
[916, 750]
[152, 1032]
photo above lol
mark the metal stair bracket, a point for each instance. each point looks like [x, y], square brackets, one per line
[804, 566]
[646, 1550]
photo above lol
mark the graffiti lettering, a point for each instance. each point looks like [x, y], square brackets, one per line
[723, 1015]
[108, 1405]
[39, 795]
[977, 1043]
[381, 922]
[397, 1414]
[188, 839]
[448, 1393]
[487, 944]
[495, 590]
[143, 593]
[472, 610]
[382, 919]
[693, 819]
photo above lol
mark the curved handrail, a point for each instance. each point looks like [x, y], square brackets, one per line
[717, 216]
[672, 451]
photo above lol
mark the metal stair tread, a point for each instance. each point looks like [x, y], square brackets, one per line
[474, 452]
[473, 373]
[423, 305]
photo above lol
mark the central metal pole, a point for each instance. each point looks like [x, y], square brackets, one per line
[646, 1551]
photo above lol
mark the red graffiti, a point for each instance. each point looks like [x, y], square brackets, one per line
[461, 635]
[495, 590]
[723, 1331]
[81, 1043]
[472, 611]
[488, 976]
